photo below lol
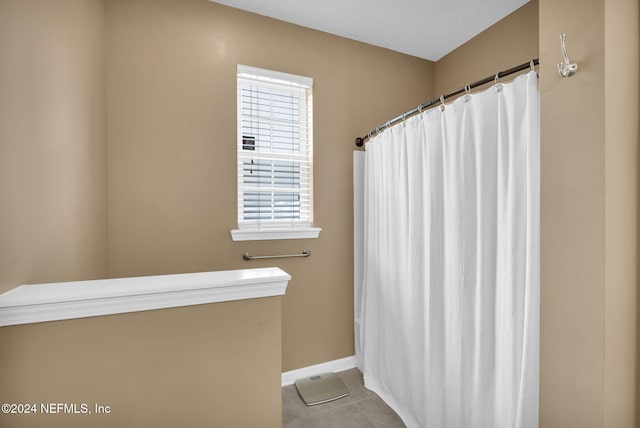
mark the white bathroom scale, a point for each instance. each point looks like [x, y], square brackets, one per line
[321, 388]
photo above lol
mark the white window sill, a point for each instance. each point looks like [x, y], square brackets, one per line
[68, 300]
[273, 234]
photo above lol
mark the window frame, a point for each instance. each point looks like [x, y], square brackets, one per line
[247, 230]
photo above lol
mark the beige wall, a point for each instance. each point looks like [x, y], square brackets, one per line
[53, 150]
[572, 216]
[215, 365]
[589, 214]
[509, 42]
[172, 142]
[621, 67]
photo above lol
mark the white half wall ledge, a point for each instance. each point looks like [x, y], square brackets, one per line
[80, 299]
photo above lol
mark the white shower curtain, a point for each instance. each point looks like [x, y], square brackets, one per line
[449, 320]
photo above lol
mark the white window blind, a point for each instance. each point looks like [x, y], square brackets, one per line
[274, 150]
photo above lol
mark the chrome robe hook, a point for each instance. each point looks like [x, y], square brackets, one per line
[566, 68]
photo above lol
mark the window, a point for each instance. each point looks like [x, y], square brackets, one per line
[275, 149]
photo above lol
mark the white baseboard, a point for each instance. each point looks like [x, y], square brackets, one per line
[346, 363]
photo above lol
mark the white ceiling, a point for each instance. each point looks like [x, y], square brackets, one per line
[424, 28]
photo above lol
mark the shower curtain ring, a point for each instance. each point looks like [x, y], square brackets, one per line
[498, 86]
[441, 102]
[532, 65]
[467, 93]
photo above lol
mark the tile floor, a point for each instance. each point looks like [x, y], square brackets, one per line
[360, 409]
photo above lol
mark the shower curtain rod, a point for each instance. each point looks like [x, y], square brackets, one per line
[360, 140]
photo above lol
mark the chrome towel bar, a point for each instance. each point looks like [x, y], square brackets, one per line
[249, 256]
